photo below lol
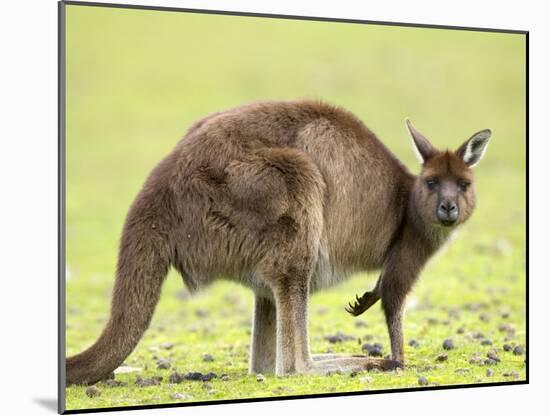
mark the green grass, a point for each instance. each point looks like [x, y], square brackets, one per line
[137, 79]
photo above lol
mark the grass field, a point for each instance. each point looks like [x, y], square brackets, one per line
[137, 79]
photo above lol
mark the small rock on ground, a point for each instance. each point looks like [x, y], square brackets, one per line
[448, 344]
[492, 354]
[443, 357]
[475, 360]
[490, 372]
[422, 381]
[93, 391]
[518, 350]
[200, 376]
[155, 380]
[260, 377]
[506, 327]
[505, 314]
[163, 364]
[207, 357]
[175, 378]
[414, 343]
[374, 350]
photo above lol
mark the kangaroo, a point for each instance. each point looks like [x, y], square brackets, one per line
[286, 198]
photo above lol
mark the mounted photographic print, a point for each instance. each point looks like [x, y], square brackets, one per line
[258, 207]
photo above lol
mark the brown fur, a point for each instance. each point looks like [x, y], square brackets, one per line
[286, 198]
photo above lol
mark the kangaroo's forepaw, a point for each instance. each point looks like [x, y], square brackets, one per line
[363, 303]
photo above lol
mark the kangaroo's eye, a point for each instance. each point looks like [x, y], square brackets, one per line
[463, 185]
[431, 183]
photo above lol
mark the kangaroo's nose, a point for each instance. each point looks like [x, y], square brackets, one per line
[447, 212]
[448, 206]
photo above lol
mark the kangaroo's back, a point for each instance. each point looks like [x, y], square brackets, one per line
[365, 185]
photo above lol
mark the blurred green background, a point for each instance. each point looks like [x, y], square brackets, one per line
[137, 79]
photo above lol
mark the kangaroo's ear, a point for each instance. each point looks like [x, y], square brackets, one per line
[473, 149]
[424, 149]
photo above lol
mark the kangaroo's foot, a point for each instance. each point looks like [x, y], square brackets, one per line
[331, 356]
[351, 364]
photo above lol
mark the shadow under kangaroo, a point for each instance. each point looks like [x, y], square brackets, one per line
[286, 198]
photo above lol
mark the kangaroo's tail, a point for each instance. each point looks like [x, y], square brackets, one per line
[143, 262]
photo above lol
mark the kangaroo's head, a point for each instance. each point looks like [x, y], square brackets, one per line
[444, 193]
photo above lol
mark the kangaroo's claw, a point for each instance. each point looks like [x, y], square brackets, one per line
[362, 304]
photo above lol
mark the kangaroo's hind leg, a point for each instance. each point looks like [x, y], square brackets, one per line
[289, 278]
[290, 284]
[276, 199]
[264, 329]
